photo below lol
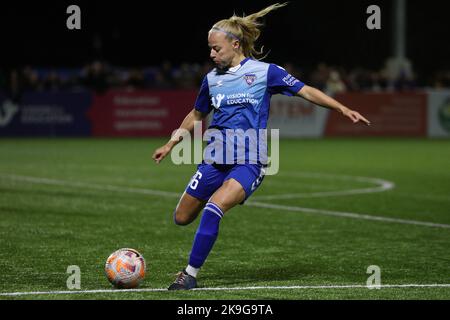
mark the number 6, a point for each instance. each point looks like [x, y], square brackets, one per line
[195, 180]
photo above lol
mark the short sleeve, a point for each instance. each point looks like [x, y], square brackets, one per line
[279, 81]
[203, 102]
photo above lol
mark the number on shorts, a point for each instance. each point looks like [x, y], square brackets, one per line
[258, 181]
[195, 180]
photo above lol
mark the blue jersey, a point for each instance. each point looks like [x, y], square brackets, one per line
[240, 97]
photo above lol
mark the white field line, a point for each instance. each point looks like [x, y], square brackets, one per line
[381, 186]
[432, 197]
[102, 187]
[346, 214]
[68, 183]
[323, 287]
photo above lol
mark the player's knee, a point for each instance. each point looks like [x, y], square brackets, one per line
[181, 219]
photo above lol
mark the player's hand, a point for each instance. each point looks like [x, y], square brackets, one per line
[356, 117]
[161, 153]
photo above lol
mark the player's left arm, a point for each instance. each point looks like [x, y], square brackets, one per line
[318, 97]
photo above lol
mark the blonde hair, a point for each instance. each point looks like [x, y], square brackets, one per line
[246, 29]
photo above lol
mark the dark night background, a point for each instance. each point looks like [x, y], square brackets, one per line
[144, 33]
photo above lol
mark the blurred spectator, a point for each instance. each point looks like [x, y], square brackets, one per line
[95, 77]
[404, 82]
[441, 80]
[335, 84]
[31, 81]
[164, 77]
[399, 74]
[15, 86]
[135, 79]
[185, 76]
[319, 76]
[377, 82]
[52, 82]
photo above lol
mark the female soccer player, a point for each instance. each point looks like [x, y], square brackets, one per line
[239, 91]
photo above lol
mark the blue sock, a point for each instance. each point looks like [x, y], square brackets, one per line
[206, 235]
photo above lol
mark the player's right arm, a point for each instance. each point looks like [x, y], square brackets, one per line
[201, 110]
[186, 126]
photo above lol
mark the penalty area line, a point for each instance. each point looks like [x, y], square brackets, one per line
[387, 286]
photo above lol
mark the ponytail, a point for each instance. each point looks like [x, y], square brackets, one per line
[246, 29]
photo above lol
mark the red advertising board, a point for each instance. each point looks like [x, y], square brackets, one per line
[139, 113]
[396, 114]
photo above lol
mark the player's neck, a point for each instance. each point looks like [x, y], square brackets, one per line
[237, 60]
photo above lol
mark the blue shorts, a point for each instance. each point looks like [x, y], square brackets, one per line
[209, 178]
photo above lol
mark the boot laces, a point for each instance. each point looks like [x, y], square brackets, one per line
[181, 278]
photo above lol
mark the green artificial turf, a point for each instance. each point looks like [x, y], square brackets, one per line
[74, 201]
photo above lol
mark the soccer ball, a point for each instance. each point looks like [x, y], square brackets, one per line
[125, 268]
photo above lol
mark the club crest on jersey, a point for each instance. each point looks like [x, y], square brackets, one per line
[250, 78]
